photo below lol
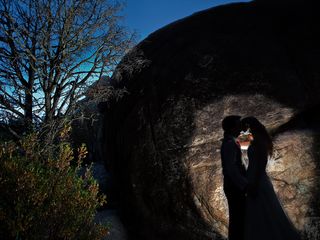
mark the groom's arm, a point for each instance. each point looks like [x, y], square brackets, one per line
[230, 166]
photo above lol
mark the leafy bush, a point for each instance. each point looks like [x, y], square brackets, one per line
[43, 196]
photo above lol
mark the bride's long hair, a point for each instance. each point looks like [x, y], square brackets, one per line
[259, 132]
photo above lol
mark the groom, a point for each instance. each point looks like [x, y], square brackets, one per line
[235, 182]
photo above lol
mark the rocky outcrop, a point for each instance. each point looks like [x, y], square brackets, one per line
[164, 136]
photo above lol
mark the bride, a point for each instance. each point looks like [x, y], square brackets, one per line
[265, 218]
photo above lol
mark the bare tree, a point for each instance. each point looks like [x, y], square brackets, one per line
[51, 51]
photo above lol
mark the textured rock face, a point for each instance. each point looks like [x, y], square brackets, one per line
[164, 137]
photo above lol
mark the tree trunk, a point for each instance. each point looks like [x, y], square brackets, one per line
[28, 109]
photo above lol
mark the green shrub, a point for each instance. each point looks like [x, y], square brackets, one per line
[42, 195]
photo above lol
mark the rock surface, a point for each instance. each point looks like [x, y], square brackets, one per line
[163, 138]
[111, 218]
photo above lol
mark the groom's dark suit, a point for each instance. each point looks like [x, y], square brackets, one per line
[235, 184]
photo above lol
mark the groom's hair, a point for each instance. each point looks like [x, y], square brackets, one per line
[230, 122]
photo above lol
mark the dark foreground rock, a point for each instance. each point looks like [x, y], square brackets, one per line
[163, 138]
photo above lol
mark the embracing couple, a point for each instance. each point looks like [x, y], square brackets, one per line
[255, 212]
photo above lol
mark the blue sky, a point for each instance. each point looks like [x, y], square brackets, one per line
[146, 16]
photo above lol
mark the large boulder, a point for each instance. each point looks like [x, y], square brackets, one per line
[164, 136]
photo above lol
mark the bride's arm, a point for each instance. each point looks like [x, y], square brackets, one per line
[258, 158]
